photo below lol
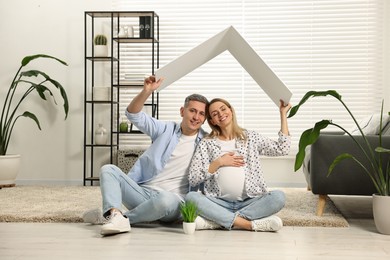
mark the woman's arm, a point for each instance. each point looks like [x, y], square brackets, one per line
[283, 117]
[228, 159]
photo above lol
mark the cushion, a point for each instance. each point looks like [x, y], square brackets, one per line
[127, 158]
[386, 130]
[370, 125]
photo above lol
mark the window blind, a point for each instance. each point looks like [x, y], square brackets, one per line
[309, 44]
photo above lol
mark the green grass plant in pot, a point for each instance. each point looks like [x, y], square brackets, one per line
[24, 84]
[100, 42]
[379, 175]
[189, 211]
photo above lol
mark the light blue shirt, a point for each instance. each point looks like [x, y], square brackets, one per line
[165, 136]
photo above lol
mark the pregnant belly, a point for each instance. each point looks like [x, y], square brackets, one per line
[231, 181]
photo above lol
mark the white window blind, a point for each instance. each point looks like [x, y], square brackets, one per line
[309, 44]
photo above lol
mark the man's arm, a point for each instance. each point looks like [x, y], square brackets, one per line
[150, 85]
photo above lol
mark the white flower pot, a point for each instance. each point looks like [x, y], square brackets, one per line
[101, 51]
[189, 227]
[381, 210]
[9, 169]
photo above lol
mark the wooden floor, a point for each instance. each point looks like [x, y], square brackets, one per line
[82, 241]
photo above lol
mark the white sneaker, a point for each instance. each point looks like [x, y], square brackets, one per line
[116, 223]
[272, 223]
[202, 223]
[94, 216]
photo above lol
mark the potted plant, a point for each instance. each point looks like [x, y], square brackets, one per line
[100, 42]
[189, 212]
[378, 175]
[10, 164]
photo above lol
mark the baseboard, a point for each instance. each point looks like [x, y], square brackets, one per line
[50, 182]
[80, 183]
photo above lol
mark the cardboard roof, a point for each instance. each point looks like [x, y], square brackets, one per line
[230, 40]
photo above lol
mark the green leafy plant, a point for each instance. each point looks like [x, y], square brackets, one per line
[379, 176]
[21, 81]
[100, 39]
[189, 211]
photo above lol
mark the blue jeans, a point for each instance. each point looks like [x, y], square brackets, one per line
[143, 204]
[224, 212]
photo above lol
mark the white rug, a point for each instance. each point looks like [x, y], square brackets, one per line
[67, 204]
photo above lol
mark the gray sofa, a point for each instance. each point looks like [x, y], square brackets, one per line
[347, 178]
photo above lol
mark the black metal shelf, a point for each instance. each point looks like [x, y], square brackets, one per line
[108, 14]
[91, 179]
[102, 58]
[101, 145]
[108, 102]
[113, 18]
[135, 40]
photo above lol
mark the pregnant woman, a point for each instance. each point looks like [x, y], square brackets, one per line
[227, 161]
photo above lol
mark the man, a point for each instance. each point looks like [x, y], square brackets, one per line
[157, 183]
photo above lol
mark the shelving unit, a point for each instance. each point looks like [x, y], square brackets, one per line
[127, 54]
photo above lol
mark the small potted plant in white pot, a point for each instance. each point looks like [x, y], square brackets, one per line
[100, 42]
[189, 212]
[24, 83]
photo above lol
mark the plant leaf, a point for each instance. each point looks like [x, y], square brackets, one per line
[338, 159]
[7, 120]
[33, 117]
[41, 91]
[382, 150]
[189, 211]
[63, 95]
[41, 88]
[26, 60]
[33, 73]
[310, 94]
[308, 137]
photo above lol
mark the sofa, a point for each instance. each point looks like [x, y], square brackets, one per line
[347, 178]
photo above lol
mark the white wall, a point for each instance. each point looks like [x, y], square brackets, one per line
[279, 172]
[55, 154]
[56, 28]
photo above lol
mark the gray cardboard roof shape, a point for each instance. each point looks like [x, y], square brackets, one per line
[229, 39]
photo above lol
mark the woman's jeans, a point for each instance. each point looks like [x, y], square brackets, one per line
[144, 204]
[224, 212]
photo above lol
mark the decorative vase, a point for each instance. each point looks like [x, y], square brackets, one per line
[101, 51]
[101, 135]
[189, 227]
[129, 31]
[122, 33]
[124, 126]
[381, 211]
[9, 169]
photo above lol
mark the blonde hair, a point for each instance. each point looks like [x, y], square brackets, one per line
[238, 132]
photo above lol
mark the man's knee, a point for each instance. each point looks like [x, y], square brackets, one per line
[193, 196]
[109, 169]
[166, 200]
